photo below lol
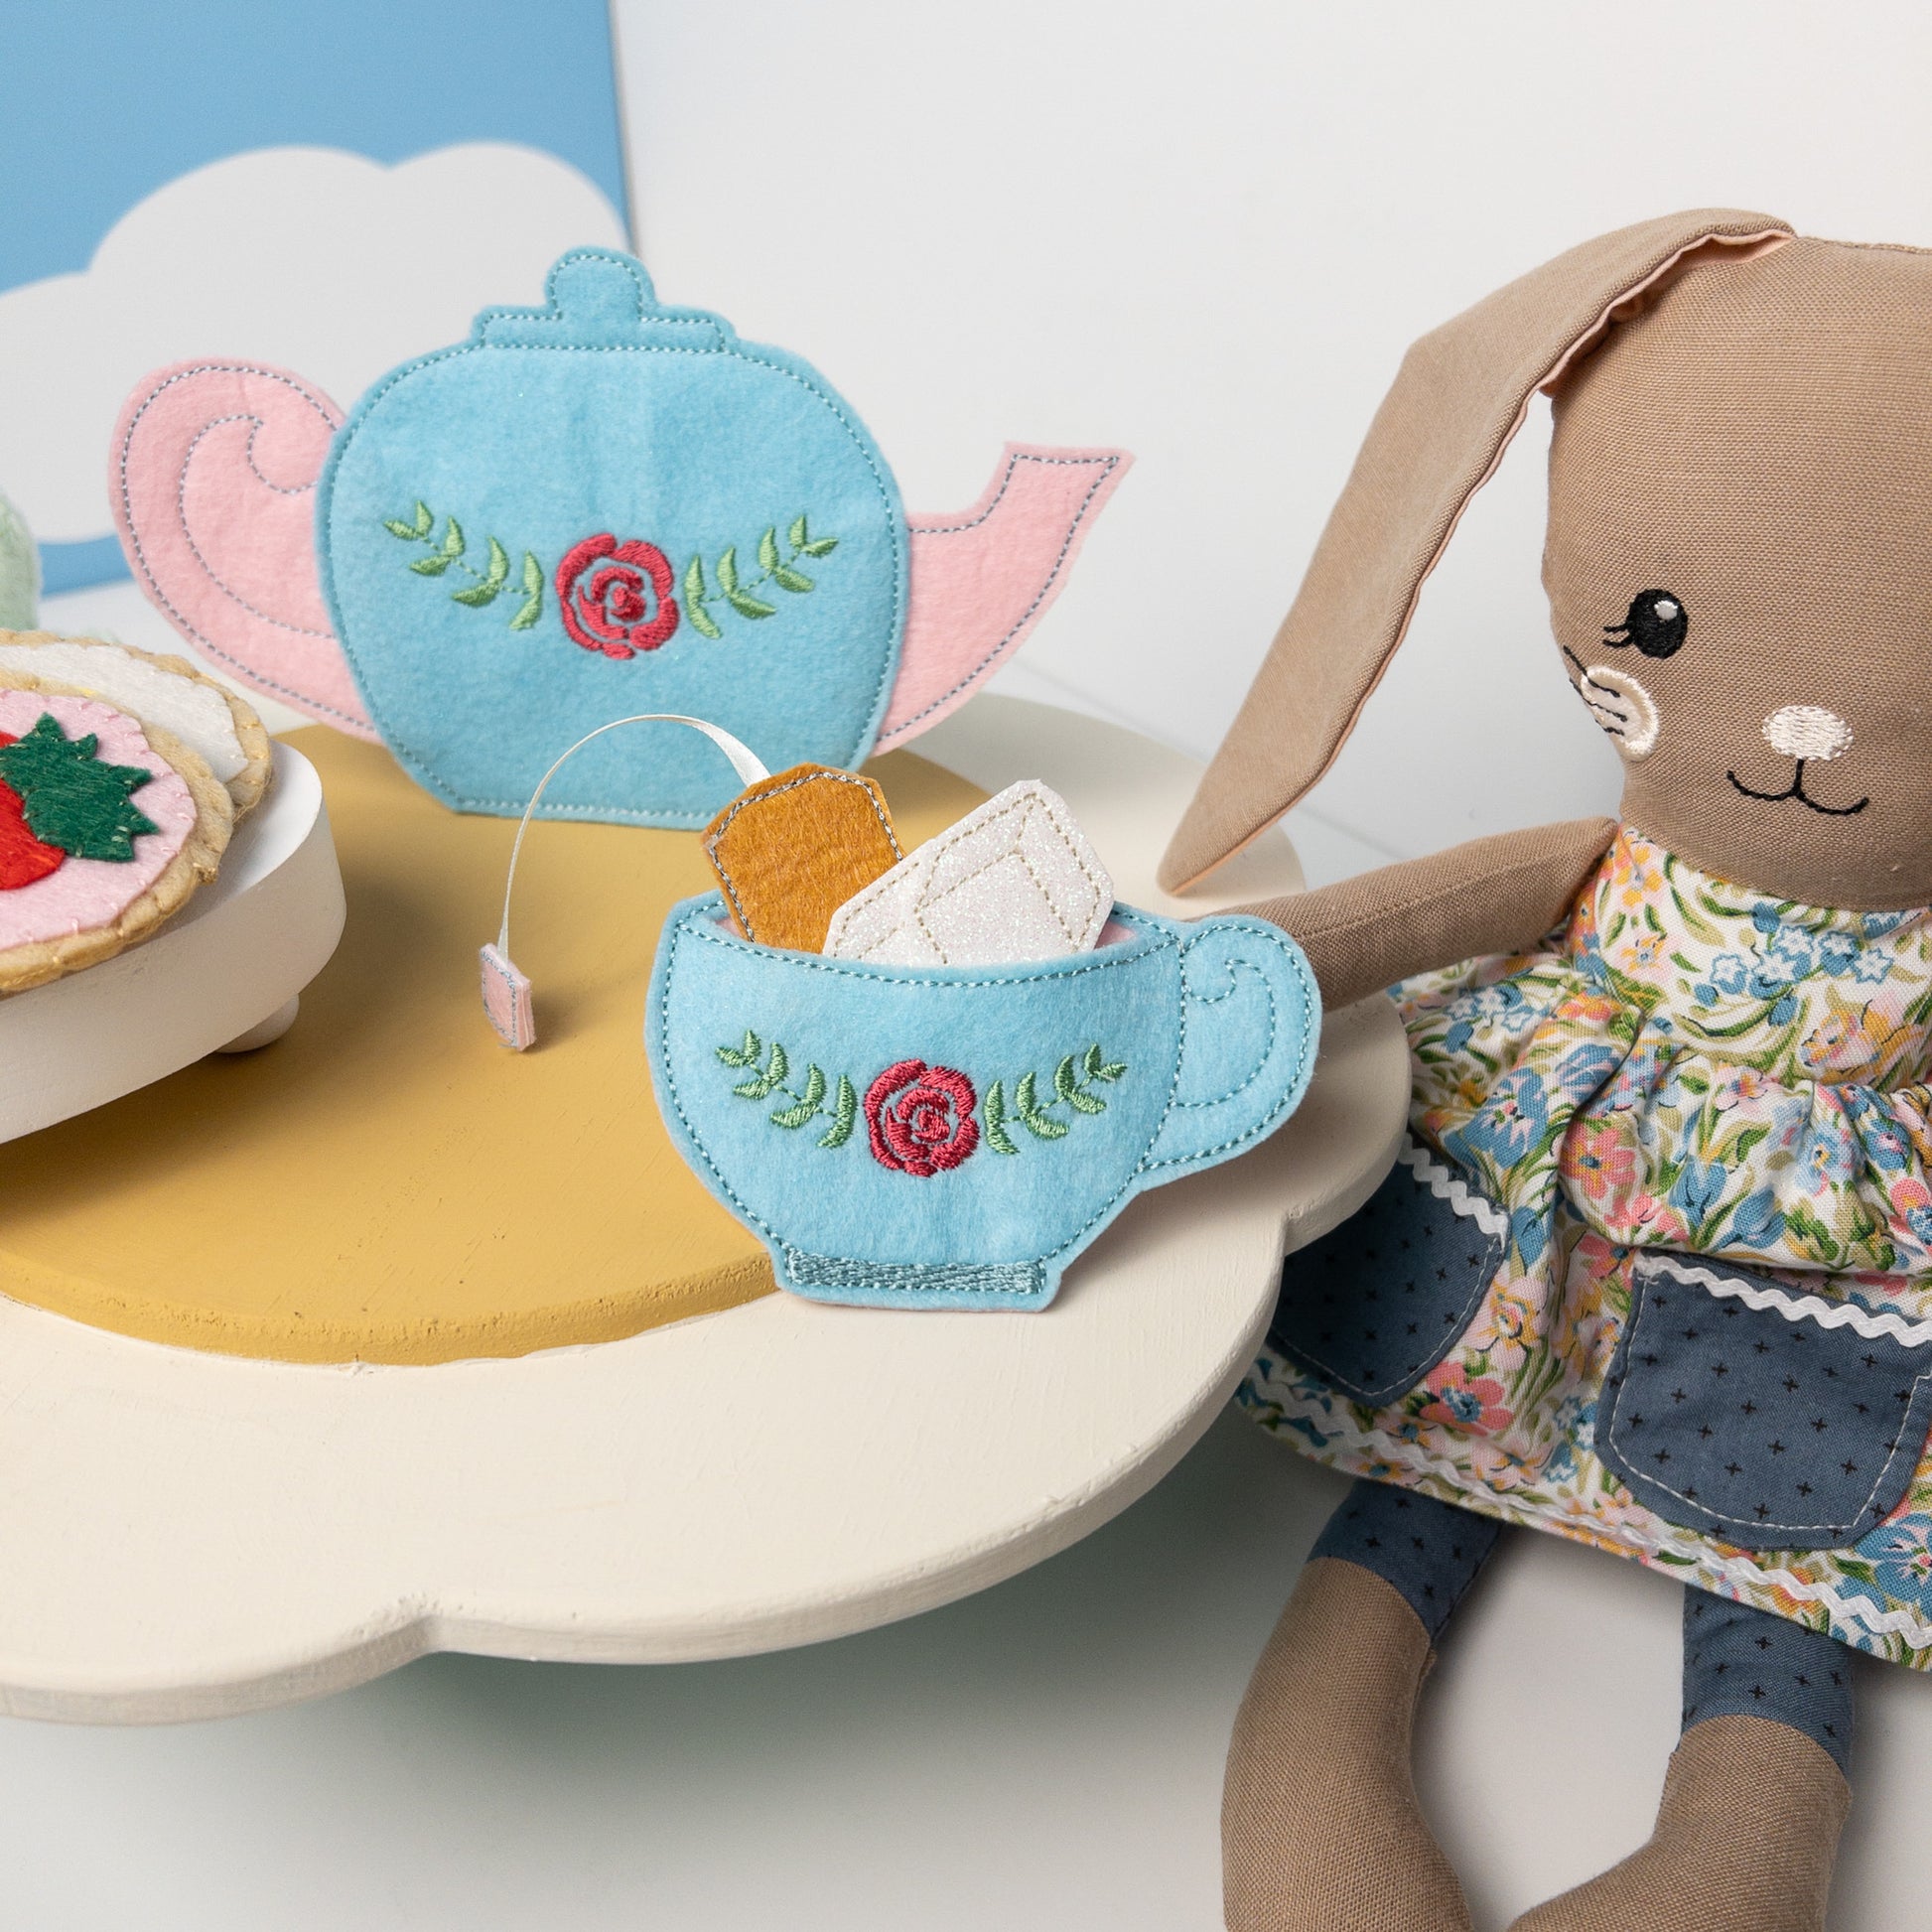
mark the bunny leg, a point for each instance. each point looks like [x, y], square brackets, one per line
[1747, 1829]
[1320, 1827]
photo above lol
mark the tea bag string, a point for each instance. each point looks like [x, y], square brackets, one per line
[744, 762]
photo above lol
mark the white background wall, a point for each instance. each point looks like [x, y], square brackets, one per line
[1206, 232]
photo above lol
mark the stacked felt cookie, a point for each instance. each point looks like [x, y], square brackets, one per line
[121, 779]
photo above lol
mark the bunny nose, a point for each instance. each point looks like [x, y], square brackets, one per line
[1807, 731]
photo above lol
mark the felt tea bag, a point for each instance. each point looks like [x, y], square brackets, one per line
[1013, 879]
[791, 849]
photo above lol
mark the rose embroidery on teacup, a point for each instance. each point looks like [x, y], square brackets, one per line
[919, 1119]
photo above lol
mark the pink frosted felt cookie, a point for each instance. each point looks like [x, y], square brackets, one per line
[107, 826]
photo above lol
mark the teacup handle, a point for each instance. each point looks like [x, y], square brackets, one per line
[1250, 1024]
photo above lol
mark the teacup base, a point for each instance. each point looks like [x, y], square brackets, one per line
[916, 1284]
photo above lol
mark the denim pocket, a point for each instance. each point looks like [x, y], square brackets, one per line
[1378, 1302]
[1773, 1420]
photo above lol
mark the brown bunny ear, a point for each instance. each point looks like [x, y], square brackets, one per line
[1461, 395]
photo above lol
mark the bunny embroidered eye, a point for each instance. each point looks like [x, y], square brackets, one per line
[1656, 623]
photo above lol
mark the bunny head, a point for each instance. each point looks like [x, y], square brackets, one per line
[1740, 506]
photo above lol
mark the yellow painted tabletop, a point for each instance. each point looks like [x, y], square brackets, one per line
[387, 1183]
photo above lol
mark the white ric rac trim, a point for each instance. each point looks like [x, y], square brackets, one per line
[1795, 1307]
[1446, 1185]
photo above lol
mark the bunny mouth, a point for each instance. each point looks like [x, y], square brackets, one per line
[1796, 792]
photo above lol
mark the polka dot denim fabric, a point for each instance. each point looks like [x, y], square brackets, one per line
[1741, 1662]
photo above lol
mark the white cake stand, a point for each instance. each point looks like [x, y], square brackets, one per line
[225, 975]
[189, 1535]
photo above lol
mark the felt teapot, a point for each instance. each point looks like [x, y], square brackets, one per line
[594, 507]
[1655, 1270]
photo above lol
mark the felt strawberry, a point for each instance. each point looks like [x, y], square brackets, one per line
[60, 799]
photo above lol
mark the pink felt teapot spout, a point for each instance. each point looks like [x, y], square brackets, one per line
[213, 474]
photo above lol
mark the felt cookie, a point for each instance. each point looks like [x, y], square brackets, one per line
[792, 849]
[168, 693]
[1013, 879]
[106, 827]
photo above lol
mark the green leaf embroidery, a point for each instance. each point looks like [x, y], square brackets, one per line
[532, 607]
[807, 1105]
[746, 1055]
[993, 1112]
[494, 580]
[1027, 1106]
[71, 797]
[845, 1111]
[486, 584]
[738, 591]
[1068, 1088]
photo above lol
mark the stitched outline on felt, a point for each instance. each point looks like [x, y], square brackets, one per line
[694, 921]
[962, 1276]
[1675, 1547]
[728, 345]
[1464, 1200]
[1107, 466]
[1619, 1372]
[739, 803]
[1303, 983]
[180, 617]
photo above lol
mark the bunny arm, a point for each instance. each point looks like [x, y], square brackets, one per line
[1497, 895]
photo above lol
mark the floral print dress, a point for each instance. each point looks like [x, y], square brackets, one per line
[1690, 1070]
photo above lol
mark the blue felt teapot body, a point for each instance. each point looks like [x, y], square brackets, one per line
[604, 506]
[952, 1137]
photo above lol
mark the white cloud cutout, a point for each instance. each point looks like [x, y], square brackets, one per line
[320, 262]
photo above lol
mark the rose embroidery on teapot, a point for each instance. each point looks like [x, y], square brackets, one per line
[615, 596]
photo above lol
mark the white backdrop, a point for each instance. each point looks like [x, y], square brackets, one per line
[1204, 232]
[1207, 232]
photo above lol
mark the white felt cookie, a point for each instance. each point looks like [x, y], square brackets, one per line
[1015, 879]
[168, 693]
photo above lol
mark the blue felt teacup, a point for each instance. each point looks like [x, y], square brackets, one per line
[919, 1137]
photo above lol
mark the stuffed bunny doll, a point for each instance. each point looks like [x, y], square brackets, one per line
[1655, 1270]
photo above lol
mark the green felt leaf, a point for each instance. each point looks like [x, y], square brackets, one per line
[795, 537]
[702, 622]
[694, 584]
[431, 566]
[823, 547]
[845, 1112]
[424, 521]
[769, 550]
[453, 539]
[532, 606]
[788, 579]
[727, 571]
[747, 606]
[396, 529]
[70, 797]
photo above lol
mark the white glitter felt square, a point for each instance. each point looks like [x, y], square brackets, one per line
[1013, 879]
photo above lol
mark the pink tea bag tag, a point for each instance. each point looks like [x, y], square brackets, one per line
[506, 1000]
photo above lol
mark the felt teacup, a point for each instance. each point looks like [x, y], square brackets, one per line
[952, 1137]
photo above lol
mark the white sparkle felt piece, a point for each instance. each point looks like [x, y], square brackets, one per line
[1015, 879]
